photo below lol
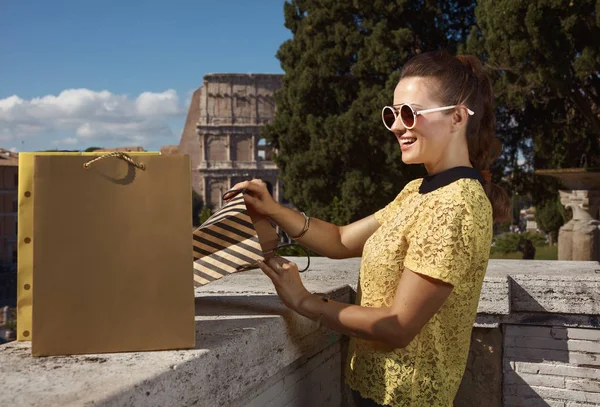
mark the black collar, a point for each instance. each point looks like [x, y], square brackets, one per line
[432, 182]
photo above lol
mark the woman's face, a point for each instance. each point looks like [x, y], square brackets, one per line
[427, 142]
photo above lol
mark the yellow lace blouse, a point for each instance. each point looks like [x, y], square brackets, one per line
[445, 234]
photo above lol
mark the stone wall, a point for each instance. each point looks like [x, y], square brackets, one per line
[242, 99]
[482, 380]
[516, 365]
[314, 381]
[551, 366]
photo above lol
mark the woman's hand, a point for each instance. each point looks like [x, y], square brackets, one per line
[286, 279]
[258, 196]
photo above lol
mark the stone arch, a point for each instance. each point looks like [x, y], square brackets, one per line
[216, 148]
[263, 150]
[216, 189]
[243, 149]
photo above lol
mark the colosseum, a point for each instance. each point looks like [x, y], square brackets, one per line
[222, 137]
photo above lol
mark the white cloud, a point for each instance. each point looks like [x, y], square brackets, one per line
[151, 104]
[69, 141]
[138, 131]
[5, 135]
[83, 114]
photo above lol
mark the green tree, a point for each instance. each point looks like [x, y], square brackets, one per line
[11, 323]
[550, 216]
[341, 67]
[512, 242]
[197, 206]
[92, 149]
[339, 214]
[204, 215]
[545, 59]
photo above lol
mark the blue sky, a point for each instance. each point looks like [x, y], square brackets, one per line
[75, 74]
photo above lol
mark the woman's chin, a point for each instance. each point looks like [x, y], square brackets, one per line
[408, 158]
[410, 153]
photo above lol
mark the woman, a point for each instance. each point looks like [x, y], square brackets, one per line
[424, 255]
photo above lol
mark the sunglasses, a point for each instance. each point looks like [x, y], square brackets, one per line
[408, 115]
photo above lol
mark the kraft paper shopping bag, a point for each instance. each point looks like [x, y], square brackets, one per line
[112, 266]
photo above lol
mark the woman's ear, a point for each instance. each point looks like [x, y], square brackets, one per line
[459, 117]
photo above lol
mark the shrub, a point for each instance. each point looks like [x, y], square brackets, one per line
[511, 242]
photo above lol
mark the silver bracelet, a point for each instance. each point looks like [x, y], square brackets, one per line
[305, 229]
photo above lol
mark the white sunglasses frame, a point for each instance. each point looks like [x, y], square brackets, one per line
[415, 113]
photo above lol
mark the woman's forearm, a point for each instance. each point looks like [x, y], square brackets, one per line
[375, 324]
[322, 237]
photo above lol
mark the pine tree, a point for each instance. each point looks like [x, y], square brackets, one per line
[545, 58]
[341, 67]
[197, 207]
[550, 216]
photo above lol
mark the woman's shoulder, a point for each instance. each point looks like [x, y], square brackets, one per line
[465, 190]
[464, 194]
[412, 186]
[472, 193]
[394, 206]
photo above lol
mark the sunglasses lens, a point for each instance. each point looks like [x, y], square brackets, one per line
[388, 117]
[407, 116]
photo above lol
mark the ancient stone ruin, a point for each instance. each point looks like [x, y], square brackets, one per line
[222, 133]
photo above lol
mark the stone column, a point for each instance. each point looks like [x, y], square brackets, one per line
[204, 147]
[205, 191]
[579, 239]
[231, 99]
[229, 147]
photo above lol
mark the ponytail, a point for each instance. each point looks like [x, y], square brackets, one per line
[484, 147]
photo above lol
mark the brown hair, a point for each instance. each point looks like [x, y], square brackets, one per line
[462, 80]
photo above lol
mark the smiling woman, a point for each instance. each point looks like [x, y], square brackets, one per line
[424, 255]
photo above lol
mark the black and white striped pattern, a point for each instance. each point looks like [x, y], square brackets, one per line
[226, 243]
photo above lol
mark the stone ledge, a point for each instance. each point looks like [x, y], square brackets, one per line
[495, 296]
[246, 336]
[510, 286]
[242, 340]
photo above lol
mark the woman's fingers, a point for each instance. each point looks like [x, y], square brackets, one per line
[289, 266]
[240, 186]
[249, 186]
[281, 265]
[259, 182]
[249, 199]
[230, 195]
[272, 274]
[276, 263]
[255, 187]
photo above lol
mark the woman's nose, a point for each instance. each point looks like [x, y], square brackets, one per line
[398, 127]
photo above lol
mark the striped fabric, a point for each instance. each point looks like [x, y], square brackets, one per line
[226, 243]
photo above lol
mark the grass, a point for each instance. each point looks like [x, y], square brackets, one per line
[541, 253]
